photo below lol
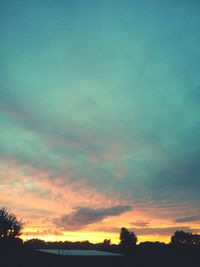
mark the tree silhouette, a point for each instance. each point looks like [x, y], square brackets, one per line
[183, 238]
[106, 242]
[127, 239]
[10, 226]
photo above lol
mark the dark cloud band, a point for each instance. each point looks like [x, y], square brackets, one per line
[83, 216]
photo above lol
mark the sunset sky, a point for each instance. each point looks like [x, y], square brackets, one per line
[100, 117]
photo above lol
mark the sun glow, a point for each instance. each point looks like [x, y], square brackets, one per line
[93, 237]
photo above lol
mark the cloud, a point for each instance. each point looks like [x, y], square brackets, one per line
[127, 125]
[43, 233]
[165, 231]
[188, 219]
[83, 216]
[140, 223]
[149, 231]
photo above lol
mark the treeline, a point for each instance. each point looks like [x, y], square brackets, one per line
[180, 238]
[11, 229]
[41, 244]
[183, 238]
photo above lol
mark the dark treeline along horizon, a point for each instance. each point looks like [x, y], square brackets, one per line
[11, 230]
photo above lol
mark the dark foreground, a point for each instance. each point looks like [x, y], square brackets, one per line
[141, 257]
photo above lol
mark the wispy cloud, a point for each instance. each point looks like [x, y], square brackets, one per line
[140, 223]
[84, 216]
[115, 115]
[42, 233]
[188, 219]
[165, 231]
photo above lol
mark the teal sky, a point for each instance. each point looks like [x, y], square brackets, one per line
[105, 92]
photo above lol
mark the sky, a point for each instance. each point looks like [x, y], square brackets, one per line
[100, 117]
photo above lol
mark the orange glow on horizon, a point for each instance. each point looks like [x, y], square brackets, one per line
[38, 200]
[93, 237]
